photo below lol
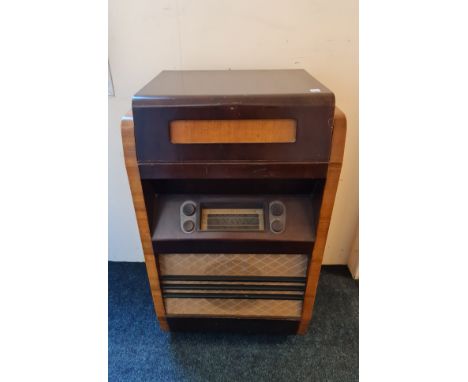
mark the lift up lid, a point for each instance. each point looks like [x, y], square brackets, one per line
[233, 123]
[242, 87]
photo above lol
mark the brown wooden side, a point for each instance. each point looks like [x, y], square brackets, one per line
[128, 140]
[328, 200]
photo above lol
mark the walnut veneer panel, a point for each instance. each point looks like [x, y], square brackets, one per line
[233, 131]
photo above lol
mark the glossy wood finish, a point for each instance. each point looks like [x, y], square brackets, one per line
[233, 170]
[298, 236]
[227, 99]
[236, 95]
[233, 87]
[353, 260]
[233, 131]
[128, 140]
[259, 186]
[326, 209]
[154, 145]
[333, 173]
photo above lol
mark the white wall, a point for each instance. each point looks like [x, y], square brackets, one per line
[147, 36]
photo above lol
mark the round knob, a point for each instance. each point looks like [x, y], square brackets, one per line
[189, 209]
[277, 226]
[277, 209]
[188, 226]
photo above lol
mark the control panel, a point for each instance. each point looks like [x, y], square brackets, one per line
[232, 217]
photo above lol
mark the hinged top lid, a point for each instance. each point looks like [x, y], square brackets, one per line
[222, 87]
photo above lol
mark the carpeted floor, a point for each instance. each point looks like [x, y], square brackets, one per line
[140, 351]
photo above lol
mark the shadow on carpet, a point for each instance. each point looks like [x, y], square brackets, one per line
[140, 351]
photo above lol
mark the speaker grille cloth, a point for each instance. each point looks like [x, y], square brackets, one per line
[234, 307]
[233, 264]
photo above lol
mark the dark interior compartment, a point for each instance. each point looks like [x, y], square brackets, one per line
[172, 192]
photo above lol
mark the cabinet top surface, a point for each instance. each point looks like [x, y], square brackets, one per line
[232, 83]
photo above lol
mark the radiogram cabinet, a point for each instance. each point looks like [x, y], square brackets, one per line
[233, 176]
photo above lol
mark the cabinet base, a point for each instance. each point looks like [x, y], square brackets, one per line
[232, 325]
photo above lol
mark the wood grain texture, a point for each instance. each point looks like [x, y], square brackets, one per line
[233, 131]
[128, 140]
[353, 260]
[326, 209]
[313, 272]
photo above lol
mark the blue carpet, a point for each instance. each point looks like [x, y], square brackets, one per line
[140, 351]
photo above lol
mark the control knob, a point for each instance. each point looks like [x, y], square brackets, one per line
[277, 209]
[189, 209]
[277, 226]
[188, 226]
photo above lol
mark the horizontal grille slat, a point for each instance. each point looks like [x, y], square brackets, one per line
[172, 282]
[235, 296]
[299, 288]
[232, 278]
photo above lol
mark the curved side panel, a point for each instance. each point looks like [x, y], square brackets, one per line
[326, 209]
[128, 141]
